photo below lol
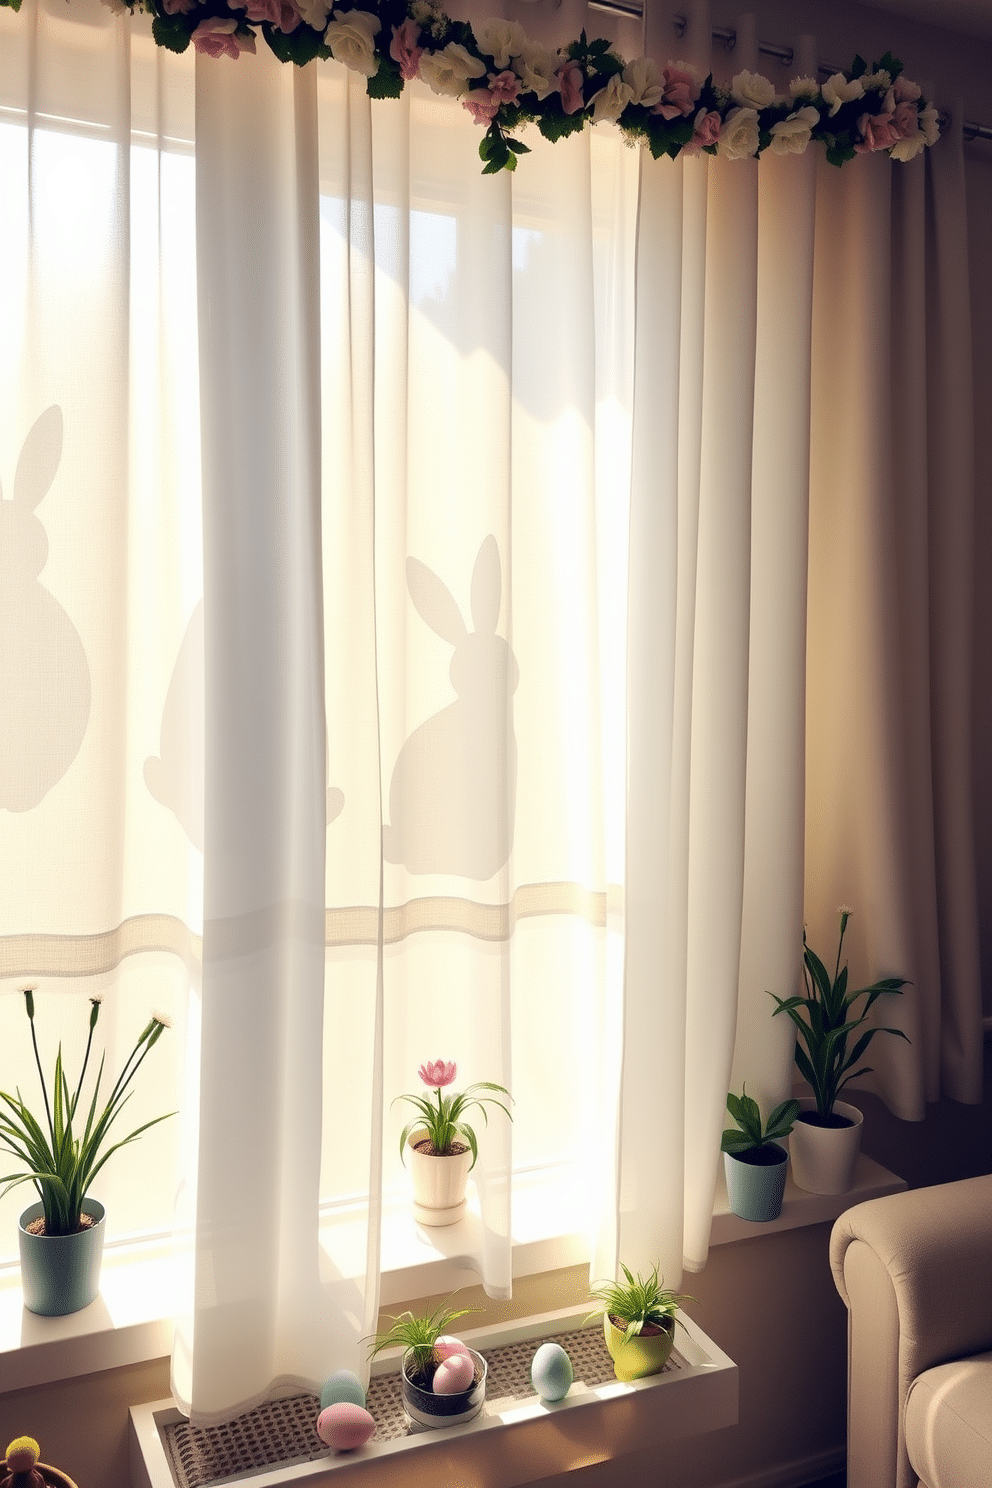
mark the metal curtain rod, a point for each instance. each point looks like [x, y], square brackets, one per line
[634, 9]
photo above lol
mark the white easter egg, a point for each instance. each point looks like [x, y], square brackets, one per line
[551, 1372]
[454, 1374]
[446, 1346]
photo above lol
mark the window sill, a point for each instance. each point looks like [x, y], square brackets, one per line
[131, 1320]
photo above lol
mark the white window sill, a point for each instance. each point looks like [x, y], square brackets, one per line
[131, 1320]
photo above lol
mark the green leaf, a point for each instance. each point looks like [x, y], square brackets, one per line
[858, 67]
[387, 82]
[518, 147]
[172, 32]
[299, 46]
[556, 125]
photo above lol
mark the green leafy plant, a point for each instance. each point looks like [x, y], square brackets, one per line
[418, 1336]
[637, 1302]
[749, 1136]
[827, 1018]
[59, 1162]
[443, 1119]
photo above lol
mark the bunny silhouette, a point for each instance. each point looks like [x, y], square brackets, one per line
[175, 775]
[452, 797]
[44, 674]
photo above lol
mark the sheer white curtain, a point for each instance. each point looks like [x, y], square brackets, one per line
[716, 662]
[445, 606]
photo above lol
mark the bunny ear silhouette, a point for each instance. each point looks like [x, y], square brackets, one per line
[486, 586]
[434, 602]
[39, 458]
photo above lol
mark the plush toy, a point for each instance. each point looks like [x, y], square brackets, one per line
[22, 1454]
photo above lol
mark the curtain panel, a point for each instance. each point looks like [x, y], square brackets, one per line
[419, 668]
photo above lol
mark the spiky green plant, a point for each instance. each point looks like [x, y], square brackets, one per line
[637, 1302]
[417, 1336]
[749, 1133]
[61, 1164]
[825, 1020]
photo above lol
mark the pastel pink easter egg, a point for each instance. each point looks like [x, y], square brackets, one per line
[454, 1374]
[345, 1426]
[446, 1346]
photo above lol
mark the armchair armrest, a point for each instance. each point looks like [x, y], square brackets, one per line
[915, 1271]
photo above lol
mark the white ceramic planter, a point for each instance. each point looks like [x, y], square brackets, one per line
[438, 1183]
[824, 1157]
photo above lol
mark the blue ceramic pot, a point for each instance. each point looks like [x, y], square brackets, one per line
[61, 1273]
[755, 1189]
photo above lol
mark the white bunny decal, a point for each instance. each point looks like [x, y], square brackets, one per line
[44, 674]
[452, 797]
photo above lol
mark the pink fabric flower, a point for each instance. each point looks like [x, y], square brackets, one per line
[215, 37]
[706, 131]
[906, 118]
[679, 93]
[281, 13]
[905, 91]
[404, 49]
[877, 133]
[435, 1072]
[171, 7]
[481, 105]
[504, 86]
[570, 80]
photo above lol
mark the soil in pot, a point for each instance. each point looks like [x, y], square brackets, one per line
[38, 1226]
[426, 1146]
[834, 1121]
[761, 1157]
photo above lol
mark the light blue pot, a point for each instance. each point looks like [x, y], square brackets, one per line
[754, 1192]
[61, 1273]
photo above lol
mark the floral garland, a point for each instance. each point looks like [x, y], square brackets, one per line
[505, 80]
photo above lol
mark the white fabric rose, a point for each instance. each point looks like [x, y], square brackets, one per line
[930, 124]
[609, 103]
[910, 147]
[645, 82]
[315, 12]
[804, 87]
[877, 82]
[752, 91]
[535, 67]
[500, 40]
[837, 90]
[791, 136]
[449, 72]
[351, 38]
[739, 135]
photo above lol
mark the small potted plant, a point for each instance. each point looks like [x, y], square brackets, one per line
[442, 1146]
[639, 1317]
[442, 1381]
[827, 1136]
[61, 1236]
[753, 1160]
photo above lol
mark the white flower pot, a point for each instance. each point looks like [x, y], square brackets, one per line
[824, 1157]
[438, 1183]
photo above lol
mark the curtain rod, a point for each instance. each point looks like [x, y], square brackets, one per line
[634, 10]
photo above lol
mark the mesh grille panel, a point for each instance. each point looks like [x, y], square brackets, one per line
[285, 1431]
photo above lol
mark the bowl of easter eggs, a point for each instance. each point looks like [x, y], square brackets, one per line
[446, 1391]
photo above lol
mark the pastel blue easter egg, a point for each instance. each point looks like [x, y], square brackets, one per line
[551, 1372]
[342, 1385]
[345, 1426]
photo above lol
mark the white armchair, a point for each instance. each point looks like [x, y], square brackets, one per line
[915, 1270]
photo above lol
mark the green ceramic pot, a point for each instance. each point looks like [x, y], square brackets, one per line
[61, 1273]
[756, 1181]
[639, 1356]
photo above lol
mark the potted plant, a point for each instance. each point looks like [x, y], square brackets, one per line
[442, 1146]
[752, 1158]
[639, 1317]
[827, 1136]
[442, 1381]
[20, 1467]
[61, 1236]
